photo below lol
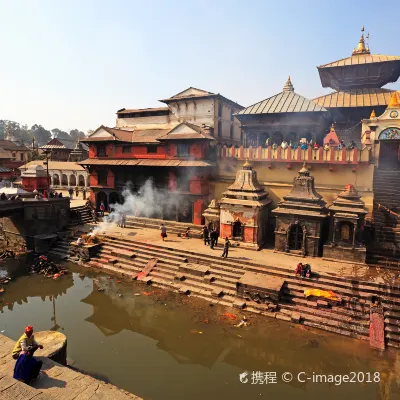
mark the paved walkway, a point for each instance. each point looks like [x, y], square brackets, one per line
[56, 382]
[264, 257]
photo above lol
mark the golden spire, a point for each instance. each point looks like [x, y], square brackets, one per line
[333, 127]
[247, 165]
[373, 115]
[288, 86]
[394, 101]
[304, 170]
[361, 49]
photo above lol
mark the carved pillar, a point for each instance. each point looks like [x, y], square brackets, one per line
[287, 239]
[303, 248]
[334, 231]
[354, 235]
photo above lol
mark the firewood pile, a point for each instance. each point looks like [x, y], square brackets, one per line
[7, 254]
[47, 268]
[90, 239]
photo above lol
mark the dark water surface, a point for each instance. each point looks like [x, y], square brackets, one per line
[160, 346]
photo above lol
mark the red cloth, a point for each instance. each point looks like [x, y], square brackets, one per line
[299, 268]
[29, 328]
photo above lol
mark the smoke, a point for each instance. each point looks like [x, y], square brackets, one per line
[147, 202]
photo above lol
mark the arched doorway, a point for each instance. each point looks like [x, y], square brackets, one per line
[389, 149]
[64, 180]
[237, 230]
[56, 180]
[72, 180]
[186, 212]
[114, 198]
[346, 232]
[295, 237]
[81, 180]
[101, 197]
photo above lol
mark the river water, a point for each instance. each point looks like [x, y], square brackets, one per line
[160, 345]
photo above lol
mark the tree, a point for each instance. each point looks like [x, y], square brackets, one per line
[41, 134]
[76, 134]
[61, 135]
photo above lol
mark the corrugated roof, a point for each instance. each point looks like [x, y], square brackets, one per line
[4, 169]
[355, 98]
[9, 145]
[285, 102]
[148, 163]
[55, 165]
[360, 59]
[141, 110]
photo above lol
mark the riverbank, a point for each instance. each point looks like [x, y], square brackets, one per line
[161, 345]
[56, 381]
[356, 285]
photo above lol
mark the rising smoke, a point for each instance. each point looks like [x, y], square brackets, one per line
[147, 202]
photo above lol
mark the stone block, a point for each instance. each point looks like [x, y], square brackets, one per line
[295, 317]
[126, 254]
[112, 260]
[217, 293]
[194, 269]
[322, 304]
[184, 290]
[239, 304]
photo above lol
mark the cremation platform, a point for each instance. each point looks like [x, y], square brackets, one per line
[85, 252]
[260, 288]
[193, 269]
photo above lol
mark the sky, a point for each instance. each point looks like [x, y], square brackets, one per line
[73, 64]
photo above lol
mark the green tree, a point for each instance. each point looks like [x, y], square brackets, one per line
[76, 134]
[61, 135]
[41, 134]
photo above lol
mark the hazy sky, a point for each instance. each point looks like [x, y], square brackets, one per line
[73, 64]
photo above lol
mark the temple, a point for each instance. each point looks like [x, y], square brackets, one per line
[203, 146]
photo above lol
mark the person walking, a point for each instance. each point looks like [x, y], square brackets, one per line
[216, 236]
[205, 235]
[163, 230]
[71, 193]
[227, 244]
[123, 220]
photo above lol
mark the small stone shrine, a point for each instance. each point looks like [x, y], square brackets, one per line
[347, 222]
[211, 215]
[245, 209]
[300, 218]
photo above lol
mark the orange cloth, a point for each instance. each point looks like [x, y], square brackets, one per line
[328, 294]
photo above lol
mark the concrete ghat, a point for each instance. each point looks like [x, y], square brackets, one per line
[58, 381]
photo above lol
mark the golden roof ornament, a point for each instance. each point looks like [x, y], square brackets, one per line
[394, 101]
[288, 86]
[332, 127]
[304, 169]
[373, 115]
[247, 165]
[361, 48]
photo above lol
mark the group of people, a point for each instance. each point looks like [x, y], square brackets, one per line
[303, 270]
[76, 190]
[210, 236]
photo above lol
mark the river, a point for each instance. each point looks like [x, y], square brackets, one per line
[160, 345]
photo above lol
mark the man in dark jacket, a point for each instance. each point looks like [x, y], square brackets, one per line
[205, 235]
[213, 238]
[227, 244]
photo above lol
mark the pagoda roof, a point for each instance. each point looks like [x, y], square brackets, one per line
[303, 198]
[246, 190]
[357, 59]
[285, 102]
[370, 97]
[348, 203]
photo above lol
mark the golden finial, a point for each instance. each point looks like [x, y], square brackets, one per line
[288, 86]
[373, 115]
[394, 101]
[247, 165]
[304, 170]
[333, 127]
[361, 49]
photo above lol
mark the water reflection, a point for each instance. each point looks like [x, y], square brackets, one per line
[159, 348]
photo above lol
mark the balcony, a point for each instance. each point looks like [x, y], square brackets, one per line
[310, 155]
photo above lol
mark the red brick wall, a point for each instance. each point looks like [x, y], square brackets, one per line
[250, 234]
[110, 179]
[225, 230]
[93, 179]
[198, 209]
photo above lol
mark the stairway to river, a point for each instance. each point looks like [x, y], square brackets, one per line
[350, 318]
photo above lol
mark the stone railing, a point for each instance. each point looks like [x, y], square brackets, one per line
[310, 155]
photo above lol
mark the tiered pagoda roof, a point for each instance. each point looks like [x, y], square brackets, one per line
[362, 70]
[303, 198]
[348, 204]
[246, 190]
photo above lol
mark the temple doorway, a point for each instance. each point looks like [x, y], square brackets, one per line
[186, 212]
[389, 154]
[237, 230]
[296, 237]
[101, 197]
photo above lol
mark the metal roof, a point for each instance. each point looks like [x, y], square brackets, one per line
[55, 165]
[147, 163]
[141, 110]
[360, 59]
[370, 97]
[285, 102]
